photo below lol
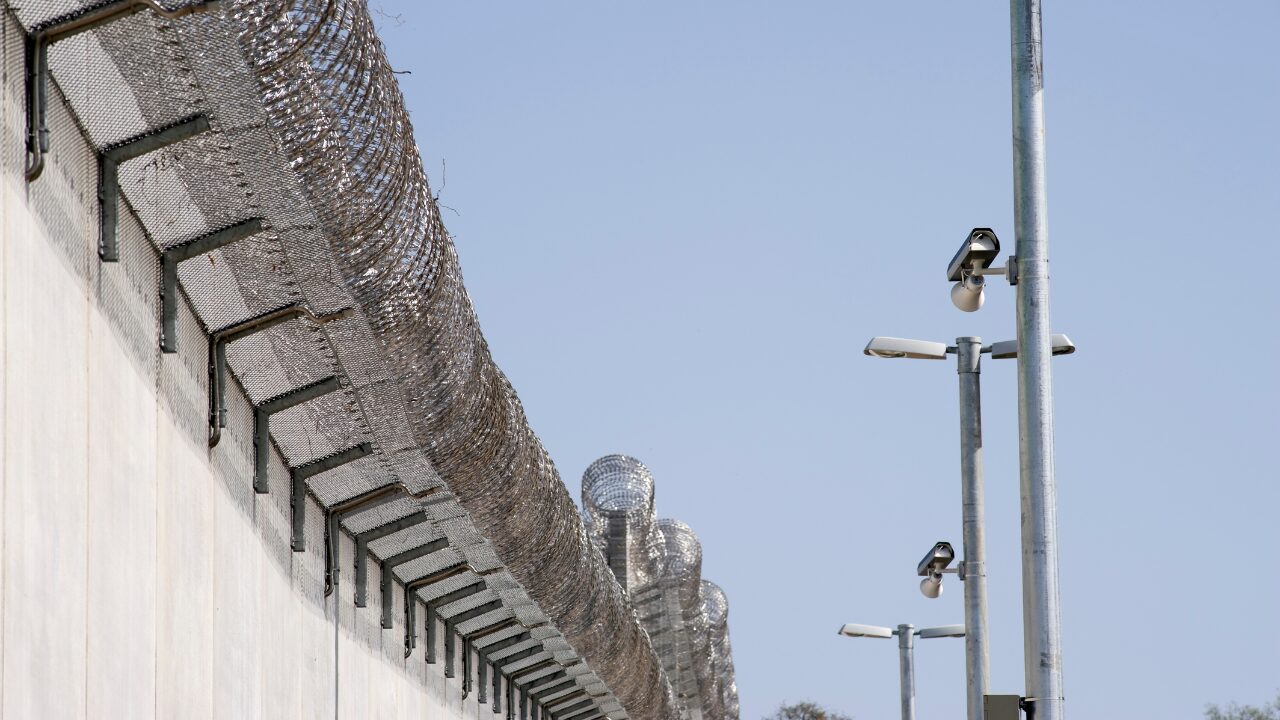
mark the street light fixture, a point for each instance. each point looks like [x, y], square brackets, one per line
[972, 569]
[906, 653]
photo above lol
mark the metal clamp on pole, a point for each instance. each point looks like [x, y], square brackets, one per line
[219, 340]
[262, 424]
[302, 473]
[61, 28]
[364, 501]
[109, 159]
[169, 260]
[388, 577]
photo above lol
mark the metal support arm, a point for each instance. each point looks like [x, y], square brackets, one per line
[169, 260]
[302, 473]
[364, 501]
[262, 424]
[38, 42]
[219, 340]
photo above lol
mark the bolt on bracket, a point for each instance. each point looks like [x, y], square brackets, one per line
[61, 28]
[219, 340]
[299, 476]
[262, 424]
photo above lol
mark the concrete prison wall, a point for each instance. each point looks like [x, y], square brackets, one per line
[141, 575]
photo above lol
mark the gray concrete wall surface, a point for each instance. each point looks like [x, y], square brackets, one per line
[140, 575]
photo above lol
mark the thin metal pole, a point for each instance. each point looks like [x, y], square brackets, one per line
[973, 567]
[907, 670]
[1040, 610]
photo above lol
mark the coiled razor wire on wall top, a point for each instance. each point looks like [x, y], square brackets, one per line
[659, 562]
[307, 133]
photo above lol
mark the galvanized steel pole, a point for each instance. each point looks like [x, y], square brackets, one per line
[973, 566]
[907, 670]
[1040, 609]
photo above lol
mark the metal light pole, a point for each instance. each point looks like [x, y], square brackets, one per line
[968, 352]
[906, 653]
[907, 669]
[973, 566]
[1042, 633]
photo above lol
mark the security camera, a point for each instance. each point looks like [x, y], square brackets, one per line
[937, 559]
[932, 567]
[970, 263]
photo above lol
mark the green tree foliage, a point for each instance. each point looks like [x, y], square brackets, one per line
[1268, 711]
[807, 711]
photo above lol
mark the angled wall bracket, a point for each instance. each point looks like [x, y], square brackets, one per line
[388, 580]
[410, 604]
[262, 424]
[219, 340]
[364, 501]
[169, 260]
[61, 28]
[362, 549]
[299, 476]
[109, 159]
[187, 250]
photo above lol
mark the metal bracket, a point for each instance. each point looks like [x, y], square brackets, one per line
[466, 668]
[262, 424]
[388, 579]
[336, 514]
[449, 650]
[299, 476]
[38, 42]
[169, 260]
[582, 705]
[592, 714]
[410, 603]
[497, 691]
[536, 667]
[219, 340]
[109, 159]
[362, 549]
[482, 676]
[489, 650]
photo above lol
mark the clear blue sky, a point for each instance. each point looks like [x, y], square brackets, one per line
[681, 222]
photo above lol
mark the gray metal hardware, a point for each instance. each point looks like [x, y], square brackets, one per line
[37, 57]
[466, 667]
[540, 665]
[514, 658]
[482, 680]
[109, 159]
[362, 549]
[581, 705]
[388, 580]
[554, 689]
[364, 501]
[449, 650]
[592, 714]
[496, 627]
[299, 476]
[497, 691]
[1001, 707]
[169, 260]
[493, 648]
[219, 340]
[262, 424]
[410, 602]
[524, 703]
[476, 612]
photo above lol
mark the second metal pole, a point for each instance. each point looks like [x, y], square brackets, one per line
[907, 670]
[973, 567]
[1042, 631]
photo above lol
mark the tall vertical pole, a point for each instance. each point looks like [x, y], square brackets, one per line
[1040, 613]
[973, 567]
[907, 670]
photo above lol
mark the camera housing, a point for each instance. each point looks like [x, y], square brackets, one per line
[979, 250]
[937, 560]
